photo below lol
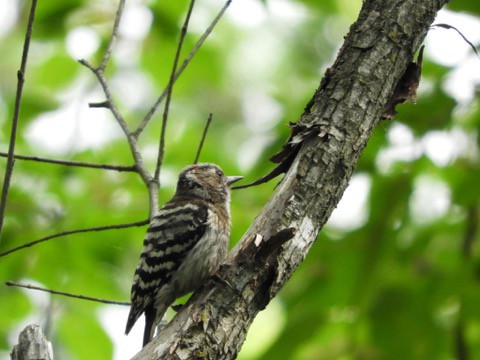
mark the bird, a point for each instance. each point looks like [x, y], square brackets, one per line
[185, 243]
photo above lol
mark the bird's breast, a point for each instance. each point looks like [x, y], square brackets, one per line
[205, 257]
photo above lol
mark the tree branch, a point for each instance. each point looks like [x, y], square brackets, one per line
[16, 114]
[113, 37]
[73, 163]
[63, 293]
[348, 105]
[202, 140]
[99, 72]
[161, 146]
[71, 232]
[184, 65]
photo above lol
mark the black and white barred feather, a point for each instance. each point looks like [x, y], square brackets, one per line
[185, 243]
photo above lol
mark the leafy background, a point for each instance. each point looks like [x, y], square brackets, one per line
[394, 275]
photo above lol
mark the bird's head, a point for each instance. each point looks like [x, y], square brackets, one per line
[205, 181]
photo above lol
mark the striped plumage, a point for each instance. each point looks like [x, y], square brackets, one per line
[185, 243]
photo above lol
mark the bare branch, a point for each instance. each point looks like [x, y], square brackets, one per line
[70, 232]
[151, 183]
[113, 37]
[202, 140]
[97, 105]
[55, 292]
[99, 73]
[132, 140]
[16, 114]
[109, 103]
[73, 163]
[161, 146]
[182, 67]
[450, 27]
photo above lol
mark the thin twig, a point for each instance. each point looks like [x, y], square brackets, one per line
[448, 27]
[77, 231]
[16, 114]
[121, 121]
[113, 37]
[55, 292]
[73, 163]
[161, 146]
[99, 72]
[202, 140]
[182, 67]
[99, 105]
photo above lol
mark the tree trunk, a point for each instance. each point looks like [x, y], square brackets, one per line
[329, 139]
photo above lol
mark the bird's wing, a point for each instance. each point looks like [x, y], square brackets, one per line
[173, 232]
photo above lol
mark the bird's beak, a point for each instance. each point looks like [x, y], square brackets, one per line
[232, 179]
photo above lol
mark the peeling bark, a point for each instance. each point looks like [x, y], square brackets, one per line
[347, 106]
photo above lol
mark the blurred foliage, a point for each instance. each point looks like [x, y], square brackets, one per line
[402, 284]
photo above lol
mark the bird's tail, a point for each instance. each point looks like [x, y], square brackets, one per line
[153, 317]
[136, 310]
[149, 330]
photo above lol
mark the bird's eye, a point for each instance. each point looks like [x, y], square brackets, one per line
[219, 173]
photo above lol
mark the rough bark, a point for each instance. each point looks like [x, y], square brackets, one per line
[32, 345]
[345, 109]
